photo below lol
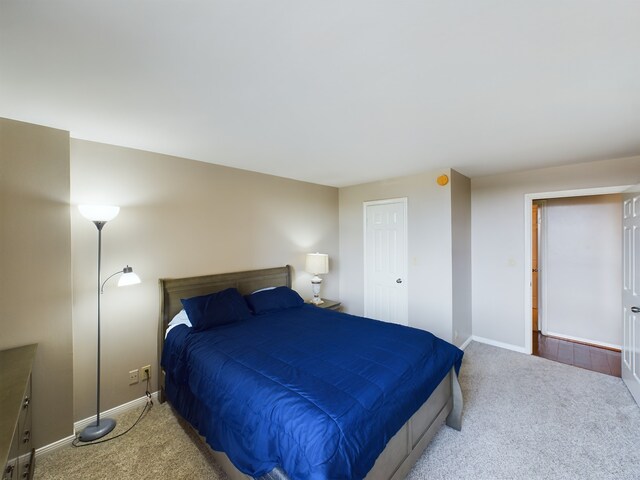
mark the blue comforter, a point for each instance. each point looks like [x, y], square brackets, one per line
[317, 392]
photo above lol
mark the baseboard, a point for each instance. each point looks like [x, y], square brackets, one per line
[80, 424]
[466, 343]
[125, 407]
[63, 442]
[495, 343]
[610, 346]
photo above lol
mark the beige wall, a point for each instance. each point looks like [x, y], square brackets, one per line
[461, 257]
[497, 232]
[430, 273]
[178, 218]
[35, 267]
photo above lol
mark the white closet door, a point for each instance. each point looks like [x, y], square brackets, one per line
[385, 260]
[631, 291]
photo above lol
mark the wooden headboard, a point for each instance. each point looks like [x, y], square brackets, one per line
[174, 289]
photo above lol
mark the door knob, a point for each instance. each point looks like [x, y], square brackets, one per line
[635, 309]
[399, 280]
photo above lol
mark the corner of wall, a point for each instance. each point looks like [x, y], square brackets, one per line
[35, 182]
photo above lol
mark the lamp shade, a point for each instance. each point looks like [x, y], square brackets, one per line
[99, 213]
[317, 263]
[128, 277]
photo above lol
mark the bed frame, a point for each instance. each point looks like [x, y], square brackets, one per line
[404, 448]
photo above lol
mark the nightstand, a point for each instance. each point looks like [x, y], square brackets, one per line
[329, 304]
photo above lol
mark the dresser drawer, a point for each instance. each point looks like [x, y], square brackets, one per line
[24, 421]
[16, 452]
[25, 463]
[11, 469]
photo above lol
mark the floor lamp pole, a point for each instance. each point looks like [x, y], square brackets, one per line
[99, 225]
[98, 428]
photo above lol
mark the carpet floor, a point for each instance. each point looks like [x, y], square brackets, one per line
[524, 417]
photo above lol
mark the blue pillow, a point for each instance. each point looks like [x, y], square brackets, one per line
[220, 308]
[274, 300]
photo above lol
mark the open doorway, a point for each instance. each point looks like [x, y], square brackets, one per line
[576, 279]
[528, 201]
[536, 211]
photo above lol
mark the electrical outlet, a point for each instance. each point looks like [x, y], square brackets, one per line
[133, 377]
[146, 372]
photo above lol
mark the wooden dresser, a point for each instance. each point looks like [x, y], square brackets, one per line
[16, 453]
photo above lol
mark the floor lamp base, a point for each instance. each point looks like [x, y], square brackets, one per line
[93, 431]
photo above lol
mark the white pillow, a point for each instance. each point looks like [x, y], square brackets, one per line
[180, 319]
[263, 289]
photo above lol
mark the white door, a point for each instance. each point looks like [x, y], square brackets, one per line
[631, 291]
[385, 261]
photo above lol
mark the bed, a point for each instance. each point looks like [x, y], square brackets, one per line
[203, 399]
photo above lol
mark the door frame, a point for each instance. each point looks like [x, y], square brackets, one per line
[542, 267]
[371, 203]
[528, 201]
[537, 319]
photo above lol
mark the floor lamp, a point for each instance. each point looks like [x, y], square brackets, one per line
[100, 215]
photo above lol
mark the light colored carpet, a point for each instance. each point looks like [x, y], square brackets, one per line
[159, 447]
[524, 418]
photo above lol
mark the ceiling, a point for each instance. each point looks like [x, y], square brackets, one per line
[336, 92]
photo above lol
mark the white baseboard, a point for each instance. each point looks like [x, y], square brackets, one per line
[80, 424]
[466, 343]
[63, 442]
[584, 340]
[495, 343]
[125, 407]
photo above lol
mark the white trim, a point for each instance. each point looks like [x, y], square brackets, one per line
[63, 442]
[385, 201]
[528, 323]
[80, 424]
[585, 340]
[125, 407]
[528, 200]
[495, 343]
[466, 343]
[405, 202]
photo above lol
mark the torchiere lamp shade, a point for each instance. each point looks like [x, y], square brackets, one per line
[99, 213]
